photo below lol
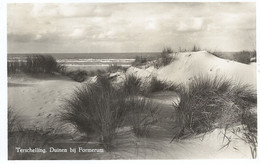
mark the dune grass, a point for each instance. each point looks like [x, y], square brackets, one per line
[142, 114]
[100, 109]
[20, 137]
[96, 109]
[164, 58]
[244, 56]
[35, 64]
[211, 103]
[159, 85]
[115, 68]
[139, 61]
[78, 75]
[132, 85]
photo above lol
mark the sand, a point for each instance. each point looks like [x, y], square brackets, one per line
[37, 101]
[188, 65]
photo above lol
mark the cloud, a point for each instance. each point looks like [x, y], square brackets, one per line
[109, 27]
[190, 24]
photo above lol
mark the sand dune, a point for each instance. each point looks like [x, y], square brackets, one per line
[187, 65]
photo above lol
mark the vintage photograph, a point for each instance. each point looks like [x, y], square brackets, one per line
[147, 80]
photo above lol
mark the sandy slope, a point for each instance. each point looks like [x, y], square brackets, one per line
[37, 101]
[190, 64]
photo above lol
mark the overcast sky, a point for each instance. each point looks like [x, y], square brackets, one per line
[134, 27]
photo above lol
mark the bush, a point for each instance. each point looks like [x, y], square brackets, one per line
[211, 103]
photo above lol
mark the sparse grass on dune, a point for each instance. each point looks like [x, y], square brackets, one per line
[165, 58]
[196, 48]
[211, 103]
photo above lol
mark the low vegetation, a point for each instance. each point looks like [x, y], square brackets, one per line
[115, 68]
[142, 114]
[100, 109]
[158, 85]
[133, 85]
[245, 56]
[35, 64]
[212, 103]
[139, 61]
[78, 75]
[196, 48]
[20, 137]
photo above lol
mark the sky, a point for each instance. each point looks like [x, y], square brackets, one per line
[129, 27]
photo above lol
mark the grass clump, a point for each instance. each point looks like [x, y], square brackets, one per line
[35, 64]
[115, 68]
[132, 85]
[78, 75]
[83, 75]
[142, 115]
[158, 85]
[96, 108]
[245, 56]
[211, 103]
[100, 109]
[195, 48]
[166, 59]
